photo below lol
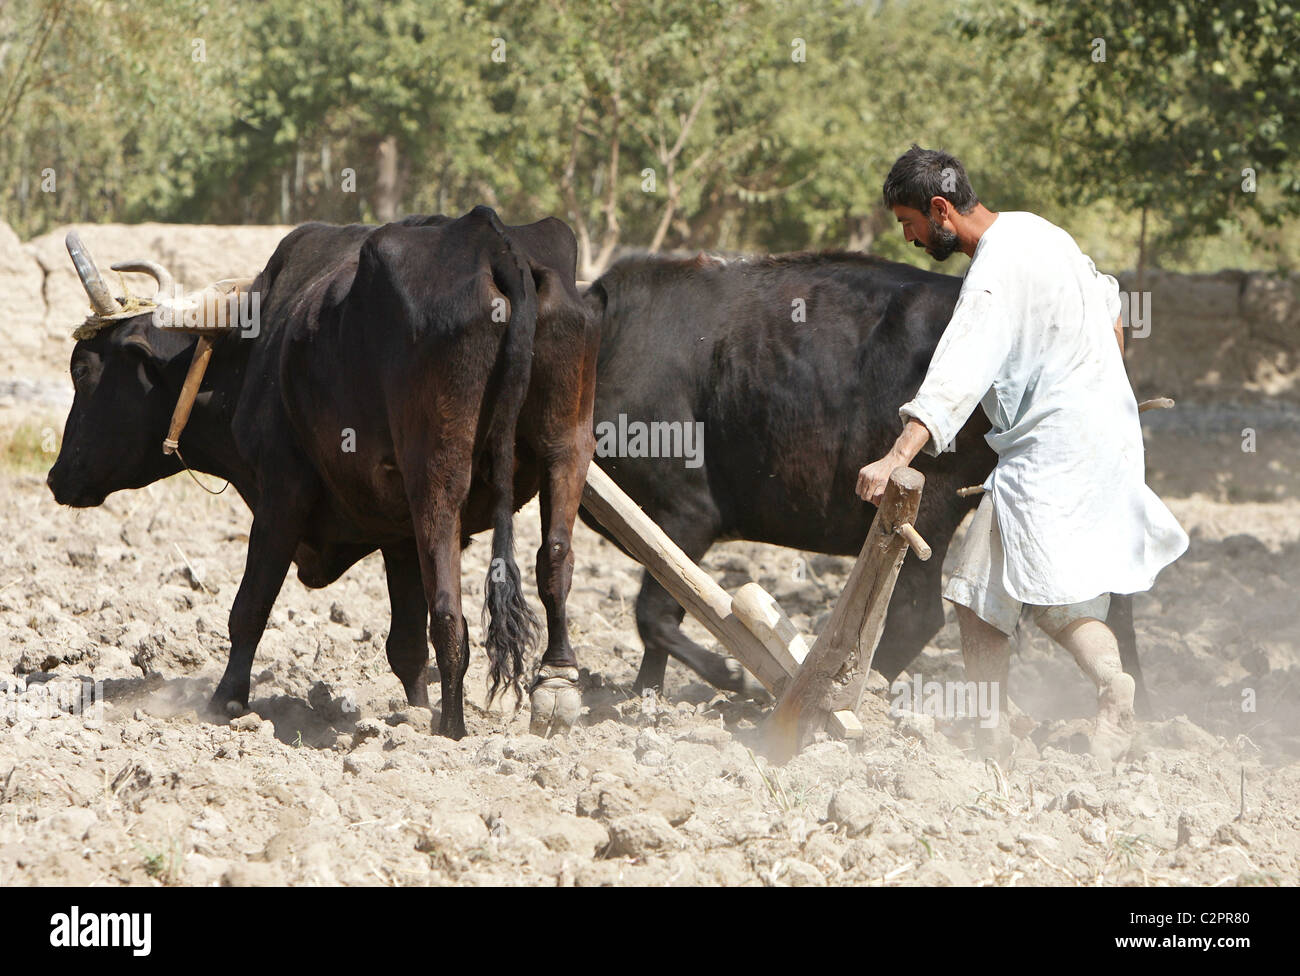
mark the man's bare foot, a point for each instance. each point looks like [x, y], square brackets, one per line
[1113, 734]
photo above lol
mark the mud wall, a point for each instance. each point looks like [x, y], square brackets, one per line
[1233, 336]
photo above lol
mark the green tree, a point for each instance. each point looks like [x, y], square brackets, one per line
[343, 109]
[636, 116]
[1184, 112]
[105, 109]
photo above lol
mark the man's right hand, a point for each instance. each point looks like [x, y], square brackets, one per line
[873, 477]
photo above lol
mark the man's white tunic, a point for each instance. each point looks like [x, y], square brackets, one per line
[1032, 341]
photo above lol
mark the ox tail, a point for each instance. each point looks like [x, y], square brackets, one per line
[510, 624]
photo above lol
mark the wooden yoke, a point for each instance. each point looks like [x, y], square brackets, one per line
[833, 675]
[189, 391]
[216, 309]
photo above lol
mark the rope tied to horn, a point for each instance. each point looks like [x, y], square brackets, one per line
[215, 310]
[130, 305]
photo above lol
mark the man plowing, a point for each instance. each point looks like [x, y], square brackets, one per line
[1067, 518]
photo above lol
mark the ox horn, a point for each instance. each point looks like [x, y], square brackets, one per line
[101, 300]
[166, 283]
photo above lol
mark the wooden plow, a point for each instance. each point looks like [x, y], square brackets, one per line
[815, 688]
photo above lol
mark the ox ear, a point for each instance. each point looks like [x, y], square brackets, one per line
[148, 368]
[141, 343]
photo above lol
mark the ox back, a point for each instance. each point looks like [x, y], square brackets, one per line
[795, 366]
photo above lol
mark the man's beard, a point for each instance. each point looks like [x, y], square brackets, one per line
[942, 242]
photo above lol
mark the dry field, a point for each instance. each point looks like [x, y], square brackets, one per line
[331, 778]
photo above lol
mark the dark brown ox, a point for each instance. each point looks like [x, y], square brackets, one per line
[401, 388]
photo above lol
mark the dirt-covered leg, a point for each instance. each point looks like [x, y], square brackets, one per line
[986, 653]
[1119, 618]
[1097, 652]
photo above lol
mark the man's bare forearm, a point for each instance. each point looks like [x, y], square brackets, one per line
[910, 441]
[874, 476]
[1119, 332]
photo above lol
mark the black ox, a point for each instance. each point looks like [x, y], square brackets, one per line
[796, 366]
[457, 355]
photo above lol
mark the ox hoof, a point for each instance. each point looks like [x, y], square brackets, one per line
[226, 708]
[223, 705]
[743, 683]
[556, 700]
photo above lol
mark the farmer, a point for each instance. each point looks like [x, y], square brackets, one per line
[1067, 517]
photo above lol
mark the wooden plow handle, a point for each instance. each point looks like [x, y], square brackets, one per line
[832, 678]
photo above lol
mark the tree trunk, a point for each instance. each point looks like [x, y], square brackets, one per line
[1136, 296]
[863, 231]
[1142, 252]
[666, 220]
[387, 189]
[613, 232]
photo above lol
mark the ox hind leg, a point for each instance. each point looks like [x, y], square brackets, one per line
[407, 645]
[556, 427]
[916, 608]
[555, 697]
[659, 621]
[437, 489]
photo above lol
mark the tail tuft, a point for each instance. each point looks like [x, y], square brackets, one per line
[511, 626]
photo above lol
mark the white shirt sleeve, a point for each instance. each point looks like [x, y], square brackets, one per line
[1109, 288]
[973, 351]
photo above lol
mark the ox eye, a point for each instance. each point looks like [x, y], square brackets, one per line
[79, 372]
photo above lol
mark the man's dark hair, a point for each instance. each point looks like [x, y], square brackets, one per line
[921, 174]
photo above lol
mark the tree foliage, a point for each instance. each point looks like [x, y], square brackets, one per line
[1189, 109]
[732, 124]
